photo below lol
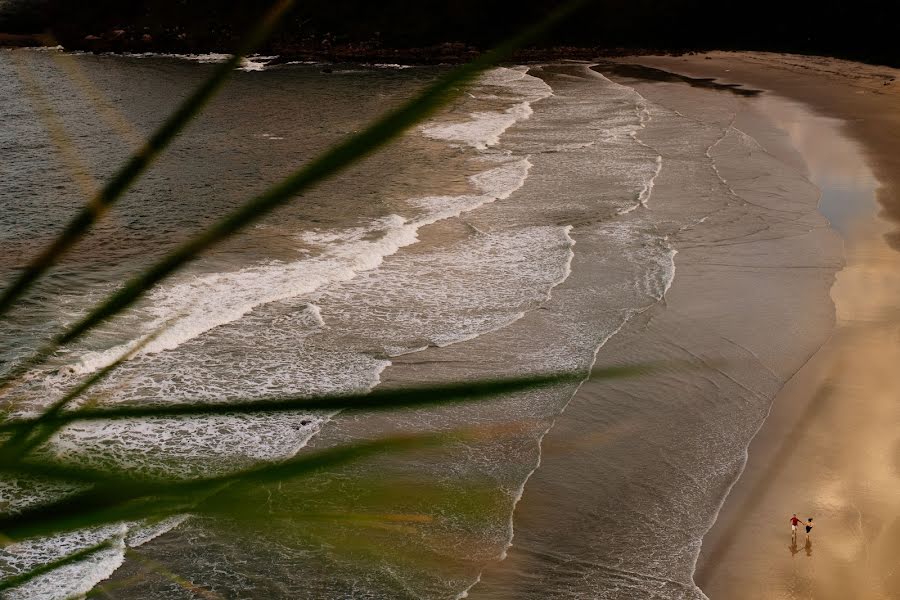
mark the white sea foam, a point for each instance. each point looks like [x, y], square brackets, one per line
[253, 62]
[484, 128]
[72, 580]
[183, 448]
[210, 57]
[199, 304]
[459, 291]
[140, 533]
[390, 66]
[517, 497]
[571, 146]
[648, 187]
[624, 128]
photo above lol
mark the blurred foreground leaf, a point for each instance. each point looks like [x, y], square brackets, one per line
[377, 400]
[27, 576]
[116, 499]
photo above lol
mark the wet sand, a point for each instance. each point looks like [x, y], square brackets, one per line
[830, 448]
[633, 472]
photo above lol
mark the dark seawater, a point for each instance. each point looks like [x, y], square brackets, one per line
[516, 232]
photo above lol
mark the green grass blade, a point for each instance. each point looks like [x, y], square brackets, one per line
[377, 400]
[137, 500]
[125, 177]
[23, 578]
[20, 444]
[49, 469]
[325, 165]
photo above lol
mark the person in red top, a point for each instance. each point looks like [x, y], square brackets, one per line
[794, 522]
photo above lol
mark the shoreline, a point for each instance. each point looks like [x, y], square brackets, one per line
[445, 53]
[752, 263]
[741, 258]
[449, 52]
[813, 447]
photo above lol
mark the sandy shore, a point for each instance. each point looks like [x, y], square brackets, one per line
[632, 474]
[831, 445]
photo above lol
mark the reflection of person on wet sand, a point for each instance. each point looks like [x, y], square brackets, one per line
[793, 548]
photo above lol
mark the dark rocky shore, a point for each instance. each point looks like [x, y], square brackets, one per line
[403, 31]
[443, 53]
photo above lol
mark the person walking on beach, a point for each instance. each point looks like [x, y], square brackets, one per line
[809, 526]
[794, 522]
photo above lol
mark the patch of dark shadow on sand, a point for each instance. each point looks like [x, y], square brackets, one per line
[651, 74]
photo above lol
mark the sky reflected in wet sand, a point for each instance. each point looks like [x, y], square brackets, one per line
[836, 163]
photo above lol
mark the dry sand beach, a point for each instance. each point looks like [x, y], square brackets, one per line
[830, 447]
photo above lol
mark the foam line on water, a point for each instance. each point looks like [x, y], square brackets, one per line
[211, 300]
[77, 579]
[254, 62]
[396, 66]
[499, 324]
[73, 580]
[630, 130]
[644, 117]
[139, 534]
[520, 491]
[484, 128]
[648, 187]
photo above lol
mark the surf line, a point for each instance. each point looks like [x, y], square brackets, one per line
[644, 117]
[492, 189]
[540, 439]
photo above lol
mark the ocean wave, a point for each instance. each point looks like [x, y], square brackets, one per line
[390, 66]
[195, 305]
[484, 128]
[253, 62]
[458, 290]
[72, 580]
